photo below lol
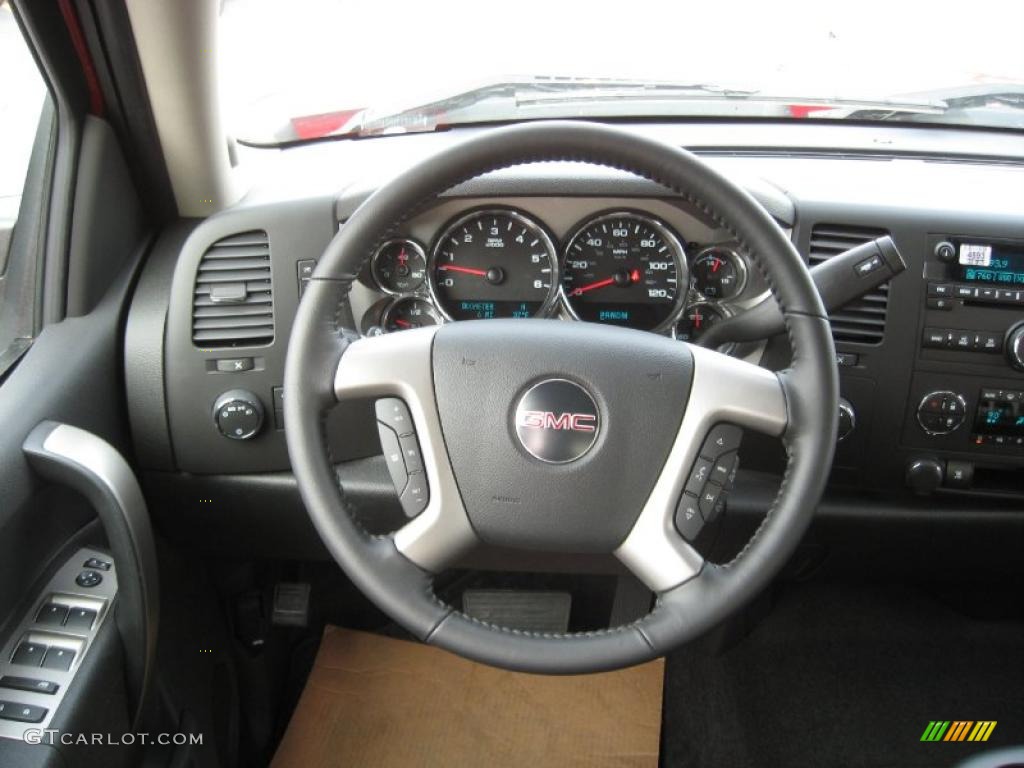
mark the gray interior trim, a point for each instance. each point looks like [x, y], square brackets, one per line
[63, 590]
[83, 461]
[726, 390]
[400, 365]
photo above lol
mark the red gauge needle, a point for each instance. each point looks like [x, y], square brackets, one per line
[633, 277]
[698, 320]
[403, 323]
[464, 270]
[592, 286]
[716, 265]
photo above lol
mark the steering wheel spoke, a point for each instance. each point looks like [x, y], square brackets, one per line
[724, 391]
[399, 365]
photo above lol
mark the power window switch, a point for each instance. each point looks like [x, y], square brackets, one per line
[29, 684]
[29, 654]
[52, 615]
[22, 713]
[59, 658]
[80, 620]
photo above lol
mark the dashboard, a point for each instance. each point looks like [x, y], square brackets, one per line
[931, 363]
[641, 263]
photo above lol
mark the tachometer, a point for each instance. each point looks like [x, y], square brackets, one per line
[625, 269]
[494, 263]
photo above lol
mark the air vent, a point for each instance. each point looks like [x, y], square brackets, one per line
[232, 305]
[861, 321]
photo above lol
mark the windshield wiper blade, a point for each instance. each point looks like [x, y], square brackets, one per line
[535, 90]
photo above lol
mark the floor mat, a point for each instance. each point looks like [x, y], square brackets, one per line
[376, 701]
[845, 675]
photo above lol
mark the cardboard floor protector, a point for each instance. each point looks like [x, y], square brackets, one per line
[376, 701]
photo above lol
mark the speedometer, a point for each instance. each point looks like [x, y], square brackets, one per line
[494, 263]
[625, 269]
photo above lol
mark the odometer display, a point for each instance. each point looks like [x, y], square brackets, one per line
[625, 269]
[495, 263]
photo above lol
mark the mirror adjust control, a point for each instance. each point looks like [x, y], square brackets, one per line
[59, 658]
[29, 684]
[29, 654]
[23, 713]
[89, 579]
[52, 615]
[95, 562]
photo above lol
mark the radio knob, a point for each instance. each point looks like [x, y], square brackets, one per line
[1015, 346]
[945, 252]
[942, 412]
[238, 414]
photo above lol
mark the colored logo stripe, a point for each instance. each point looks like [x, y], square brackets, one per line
[935, 730]
[958, 730]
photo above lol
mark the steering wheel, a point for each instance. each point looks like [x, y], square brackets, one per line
[547, 435]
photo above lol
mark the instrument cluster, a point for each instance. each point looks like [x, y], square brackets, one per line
[620, 267]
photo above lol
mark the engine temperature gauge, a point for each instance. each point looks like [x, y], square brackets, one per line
[718, 273]
[696, 321]
[399, 266]
[404, 314]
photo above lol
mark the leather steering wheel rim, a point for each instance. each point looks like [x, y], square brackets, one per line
[401, 583]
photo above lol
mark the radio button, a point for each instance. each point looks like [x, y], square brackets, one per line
[935, 337]
[965, 291]
[944, 304]
[987, 294]
[940, 289]
[1006, 296]
[963, 340]
[988, 342]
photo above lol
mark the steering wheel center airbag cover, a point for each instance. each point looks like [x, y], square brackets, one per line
[578, 497]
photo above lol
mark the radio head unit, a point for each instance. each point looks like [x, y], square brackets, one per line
[993, 263]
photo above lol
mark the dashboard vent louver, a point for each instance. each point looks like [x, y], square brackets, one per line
[232, 305]
[862, 321]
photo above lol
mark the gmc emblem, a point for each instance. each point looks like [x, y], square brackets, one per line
[576, 422]
[556, 421]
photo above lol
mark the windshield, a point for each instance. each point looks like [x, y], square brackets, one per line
[311, 68]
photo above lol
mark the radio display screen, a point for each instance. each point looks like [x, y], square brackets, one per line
[992, 263]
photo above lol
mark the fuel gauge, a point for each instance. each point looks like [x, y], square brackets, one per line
[407, 313]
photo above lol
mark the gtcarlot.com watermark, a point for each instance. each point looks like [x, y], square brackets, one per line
[52, 737]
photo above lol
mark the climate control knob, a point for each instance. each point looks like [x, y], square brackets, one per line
[1015, 346]
[942, 412]
[238, 414]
